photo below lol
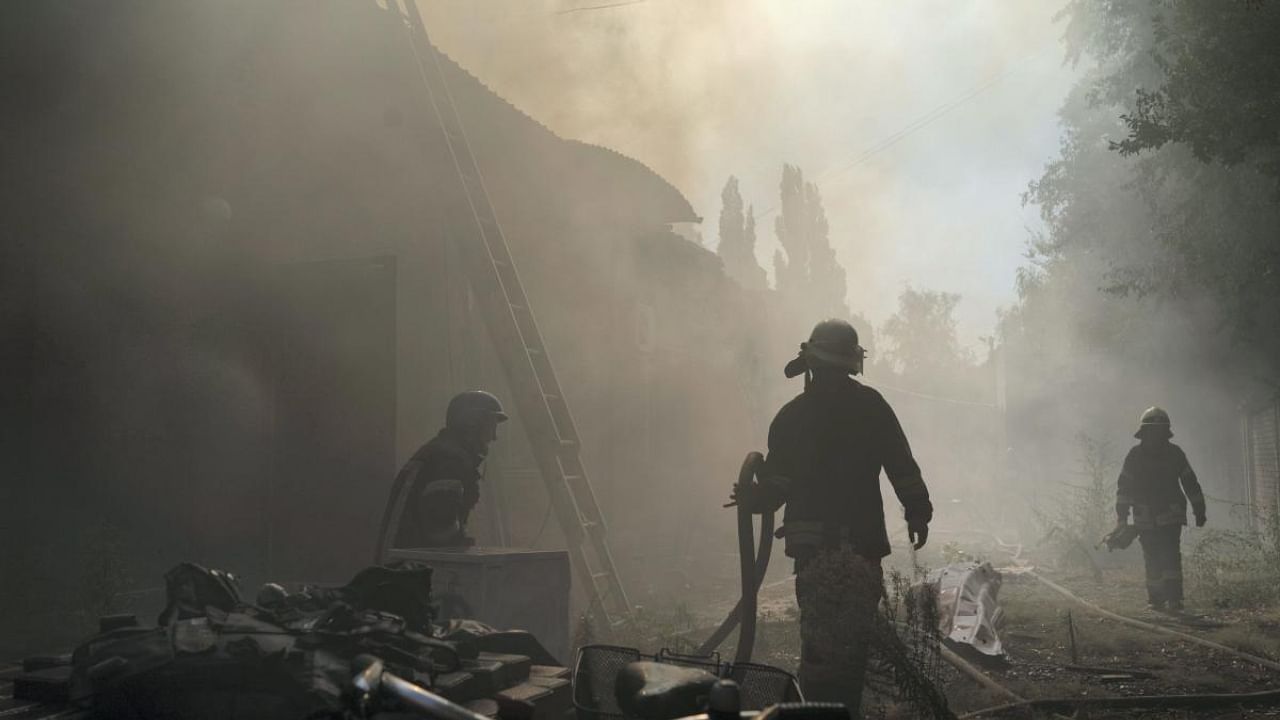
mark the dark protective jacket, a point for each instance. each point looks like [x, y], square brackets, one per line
[442, 495]
[1156, 481]
[826, 449]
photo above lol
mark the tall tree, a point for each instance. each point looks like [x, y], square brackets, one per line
[737, 248]
[791, 261]
[921, 343]
[1218, 91]
[826, 275]
[808, 274]
[754, 277]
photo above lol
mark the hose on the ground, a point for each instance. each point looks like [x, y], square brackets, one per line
[978, 676]
[1258, 660]
[1192, 701]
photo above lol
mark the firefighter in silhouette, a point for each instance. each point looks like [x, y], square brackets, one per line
[436, 490]
[1156, 482]
[826, 450]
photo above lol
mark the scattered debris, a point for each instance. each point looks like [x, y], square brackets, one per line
[967, 609]
[293, 653]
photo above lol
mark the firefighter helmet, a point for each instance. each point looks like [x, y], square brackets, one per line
[471, 408]
[1154, 420]
[834, 344]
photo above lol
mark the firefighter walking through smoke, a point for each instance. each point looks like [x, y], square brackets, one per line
[1156, 481]
[826, 450]
[438, 488]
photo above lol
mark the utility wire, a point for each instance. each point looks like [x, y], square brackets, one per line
[599, 7]
[920, 122]
[936, 398]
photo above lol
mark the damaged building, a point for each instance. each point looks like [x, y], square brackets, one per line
[234, 305]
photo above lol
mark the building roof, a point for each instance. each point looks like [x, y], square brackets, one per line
[595, 170]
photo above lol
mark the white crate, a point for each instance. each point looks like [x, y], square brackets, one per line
[508, 588]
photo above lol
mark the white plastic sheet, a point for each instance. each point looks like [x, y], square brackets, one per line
[968, 612]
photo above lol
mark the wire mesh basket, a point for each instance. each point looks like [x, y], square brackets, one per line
[762, 685]
[596, 671]
[595, 676]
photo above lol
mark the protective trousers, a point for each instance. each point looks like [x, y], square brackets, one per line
[1163, 558]
[838, 593]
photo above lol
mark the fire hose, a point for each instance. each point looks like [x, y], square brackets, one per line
[754, 561]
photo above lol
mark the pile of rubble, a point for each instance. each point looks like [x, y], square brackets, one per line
[212, 654]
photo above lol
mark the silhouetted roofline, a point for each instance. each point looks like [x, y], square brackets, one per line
[675, 207]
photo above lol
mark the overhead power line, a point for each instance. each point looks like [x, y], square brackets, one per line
[600, 7]
[920, 122]
[936, 398]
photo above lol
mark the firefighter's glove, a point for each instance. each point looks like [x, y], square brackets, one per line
[917, 533]
[761, 497]
[1121, 537]
[1122, 514]
[1201, 519]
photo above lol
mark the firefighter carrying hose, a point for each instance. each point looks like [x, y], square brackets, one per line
[826, 450]
[1156, 482]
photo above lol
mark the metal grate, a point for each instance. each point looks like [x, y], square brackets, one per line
[763, 685]
[594, 678]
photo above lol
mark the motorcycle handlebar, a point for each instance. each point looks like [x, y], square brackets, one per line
[374, 681]
[784, 711]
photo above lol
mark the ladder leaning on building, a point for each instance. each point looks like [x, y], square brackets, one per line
[536, 390]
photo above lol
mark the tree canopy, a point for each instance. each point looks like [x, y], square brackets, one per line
[1156, 279]
[1165, 191]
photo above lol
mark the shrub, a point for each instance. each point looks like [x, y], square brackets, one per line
[1082, 512]
[1237, 568]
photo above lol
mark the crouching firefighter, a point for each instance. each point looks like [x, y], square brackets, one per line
[826, 450]
[435, 492]
[1156, 481]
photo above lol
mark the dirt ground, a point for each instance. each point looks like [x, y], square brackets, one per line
[1124, 660]
[1038, 645]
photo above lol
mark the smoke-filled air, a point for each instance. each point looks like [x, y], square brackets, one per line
[640, 359]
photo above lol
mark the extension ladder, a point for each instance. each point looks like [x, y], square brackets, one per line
[538, 398]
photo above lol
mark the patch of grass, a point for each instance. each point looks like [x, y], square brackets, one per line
[952, 553]
[661, 625]
[1237, 568]
[1250, 639]
[906, 669]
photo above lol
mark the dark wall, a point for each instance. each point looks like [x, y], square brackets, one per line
[333, 418]
[164, 348]
[228, 306]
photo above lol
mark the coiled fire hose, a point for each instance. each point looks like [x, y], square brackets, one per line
[754, 562]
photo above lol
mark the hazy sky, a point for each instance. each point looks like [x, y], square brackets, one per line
[701, 89]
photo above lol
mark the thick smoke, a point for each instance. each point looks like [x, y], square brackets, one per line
[700, 91]
[209, 199]
[920, 123]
